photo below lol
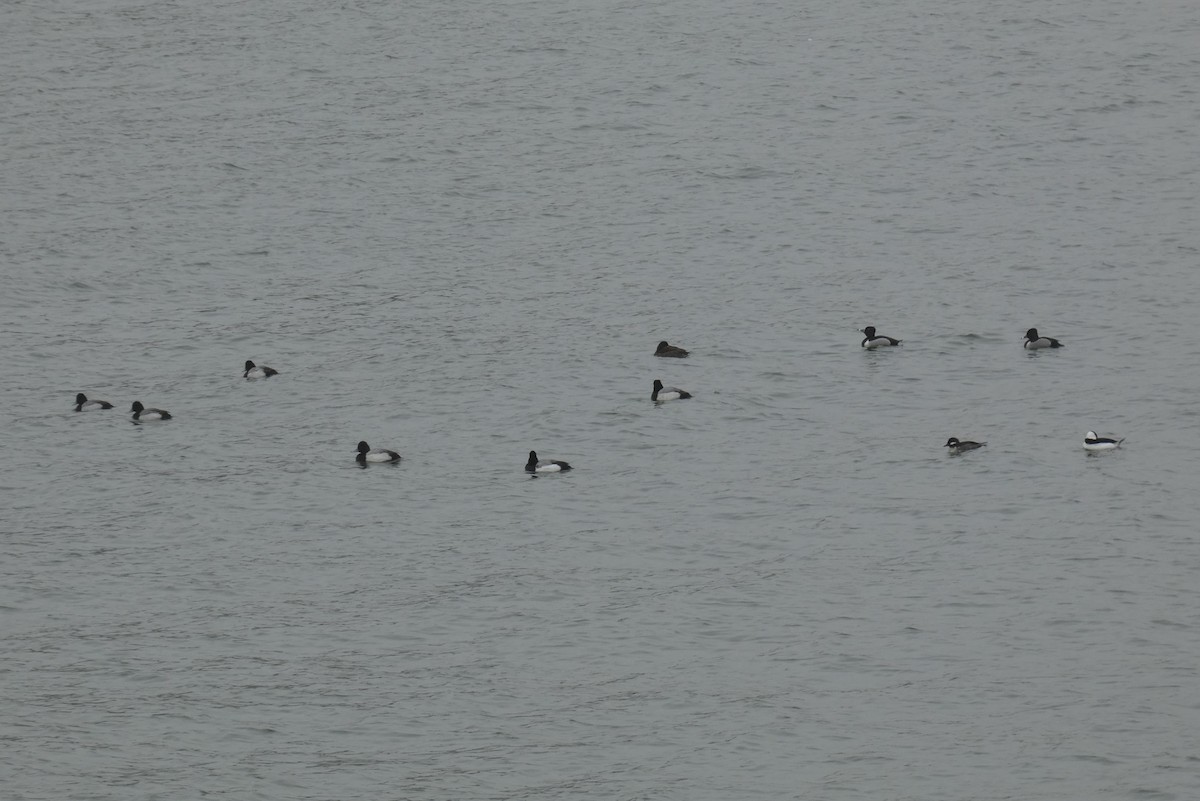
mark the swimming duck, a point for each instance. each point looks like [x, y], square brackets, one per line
[670, 351]
[142, 414]
[1035, 342]
[82, 404]
[1092, 442]
[871, 340]
[662, 393]
[544, 465]
[958, 446]
[368, 454]
[258, 372]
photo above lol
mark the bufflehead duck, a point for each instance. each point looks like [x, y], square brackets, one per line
[367, 454]
[1034, 342]
[1092, 442]
[670, 351]
[82, 404]
[545, 465]
[957, 446]
[662, 393]
[258, 372]
[141, 413]
[873, 340]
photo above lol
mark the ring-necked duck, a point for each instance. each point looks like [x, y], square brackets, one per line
[1034, 342]
[872, 340]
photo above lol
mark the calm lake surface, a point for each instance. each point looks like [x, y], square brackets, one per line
[458, 231]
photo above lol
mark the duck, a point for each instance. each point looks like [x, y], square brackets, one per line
[142, 414]
[1092, 442]
[958, 446]
[258, 372]
[368, 454]
[534, 465]
[871, 340]
[1035, 342]
[670, 351]
[82, 404]
[662, 393]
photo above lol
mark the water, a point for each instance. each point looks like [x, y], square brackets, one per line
[459, 233]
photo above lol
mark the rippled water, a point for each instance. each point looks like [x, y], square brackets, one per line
[459, 232]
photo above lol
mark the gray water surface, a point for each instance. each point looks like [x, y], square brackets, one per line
[459, 232]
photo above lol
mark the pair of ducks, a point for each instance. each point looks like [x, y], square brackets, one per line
[1033, 341]
[367, 454]
[661, 393]
[140, 412]
[1091, 442]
